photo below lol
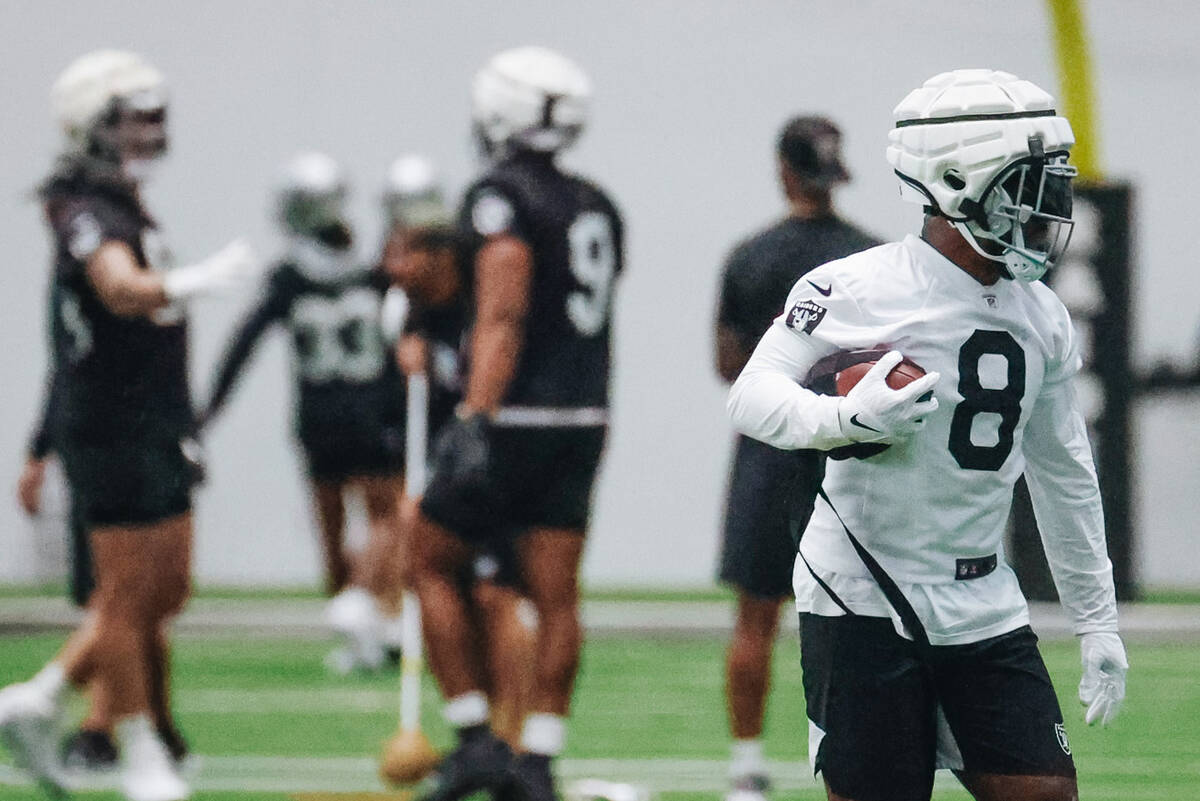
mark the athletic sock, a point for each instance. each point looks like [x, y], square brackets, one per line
[134, 733]
[543, 734]
[468, 713]
[50, 680]
[746, 758]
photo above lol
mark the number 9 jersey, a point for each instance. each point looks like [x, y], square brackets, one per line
[936, 504]
[575, 234]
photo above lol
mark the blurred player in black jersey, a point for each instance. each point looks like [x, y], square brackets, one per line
[771, 490]
[124, 410]
[430, 260]
[349, 396]
[518, 462]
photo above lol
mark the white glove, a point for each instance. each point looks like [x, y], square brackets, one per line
[227, 269]
[874, 412]
[1102, 687]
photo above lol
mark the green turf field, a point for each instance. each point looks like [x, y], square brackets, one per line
[271, 724]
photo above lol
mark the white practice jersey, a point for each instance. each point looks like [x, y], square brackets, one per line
[933, 509]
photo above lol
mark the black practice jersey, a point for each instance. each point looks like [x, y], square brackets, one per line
[576, 236]
[115, 378]
[347, 385]
[762, 270]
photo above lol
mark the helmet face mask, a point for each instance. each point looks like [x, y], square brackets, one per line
[1025, 218]
[312, 199]
[412, 194]
[133, 135]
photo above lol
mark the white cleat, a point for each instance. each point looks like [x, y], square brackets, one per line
[147, 771]
[29, 727]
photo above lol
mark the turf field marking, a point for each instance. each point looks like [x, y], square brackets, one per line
[356, 778]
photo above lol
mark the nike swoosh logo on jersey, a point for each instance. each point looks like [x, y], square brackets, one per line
[854, 421]
[824, 290]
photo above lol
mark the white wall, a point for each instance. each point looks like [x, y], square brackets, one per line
[688, 99]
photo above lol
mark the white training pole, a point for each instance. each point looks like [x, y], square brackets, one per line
[410, 632]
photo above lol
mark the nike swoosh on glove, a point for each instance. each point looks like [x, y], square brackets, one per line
[1102, 686]
[874, 412]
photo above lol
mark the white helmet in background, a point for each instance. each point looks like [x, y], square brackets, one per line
[412, 193]
[529, 98]
[111, 104]
[987, 151]
[312, 194]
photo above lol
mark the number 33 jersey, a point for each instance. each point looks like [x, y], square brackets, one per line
[575, 234]
[937, 504]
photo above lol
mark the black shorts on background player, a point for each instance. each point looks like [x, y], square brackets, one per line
[771, 495]
[535, 477]
[996, 696]
[135, 483]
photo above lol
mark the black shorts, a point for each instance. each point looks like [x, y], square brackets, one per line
[128, 483]
[875, 696]
[538, 478]
[333, 458]
[771, 494]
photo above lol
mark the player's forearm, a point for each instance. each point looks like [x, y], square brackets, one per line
[1074, 541]
[125, 289]
[731, 354]
[240, 348]
[495, 348]
[1066, 500]
[767, 403]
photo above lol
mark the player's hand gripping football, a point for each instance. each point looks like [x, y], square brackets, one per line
[226, 270]
[874, 412]
[1102, 687]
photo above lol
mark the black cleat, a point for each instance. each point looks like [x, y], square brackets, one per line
[529, 779]
[88, 750]
[480, 762]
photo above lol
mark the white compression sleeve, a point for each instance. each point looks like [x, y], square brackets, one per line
[766, 401]
[1066, 501]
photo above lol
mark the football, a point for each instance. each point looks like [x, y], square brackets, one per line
[901, 375]
[838, 373]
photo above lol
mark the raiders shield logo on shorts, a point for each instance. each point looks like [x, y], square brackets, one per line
[1061, 734]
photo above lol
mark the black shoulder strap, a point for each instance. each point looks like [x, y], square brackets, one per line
[908, 615]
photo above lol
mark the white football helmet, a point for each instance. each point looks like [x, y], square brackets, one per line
[987, 151]
[412, 193]
[112, 106]
[529, 98]
[312, 194]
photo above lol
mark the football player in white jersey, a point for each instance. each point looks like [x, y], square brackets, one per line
[917, 652]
